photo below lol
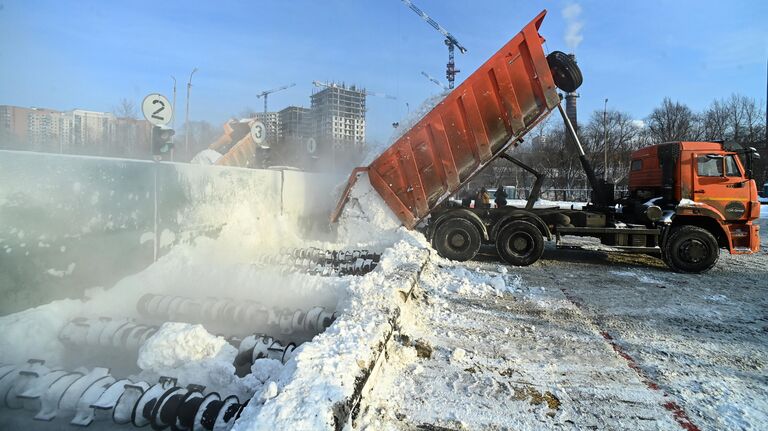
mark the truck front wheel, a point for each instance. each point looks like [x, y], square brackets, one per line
[520, 243]
[690, 249]
[457, 239]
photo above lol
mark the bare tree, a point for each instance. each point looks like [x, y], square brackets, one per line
[715, 121]
[673, 121]
[737, 118]
[615, 133]
[126, 109]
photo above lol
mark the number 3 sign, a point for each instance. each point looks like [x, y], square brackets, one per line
[157, 109]
[258, 134]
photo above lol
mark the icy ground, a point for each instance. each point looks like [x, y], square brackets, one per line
[580, 340]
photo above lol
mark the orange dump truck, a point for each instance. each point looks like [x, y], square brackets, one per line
[677, 211]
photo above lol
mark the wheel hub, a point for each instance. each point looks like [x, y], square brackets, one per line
[520, 243]
[458, 239]
[693, 250]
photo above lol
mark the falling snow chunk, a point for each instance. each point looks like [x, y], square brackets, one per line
[176, 344]
[167, 238]
[145, 237]
[458, 355]
[62, 273]
[270, 391]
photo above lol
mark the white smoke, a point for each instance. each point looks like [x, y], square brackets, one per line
[572, 15]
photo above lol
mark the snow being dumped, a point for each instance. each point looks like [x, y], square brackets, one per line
[224, 315]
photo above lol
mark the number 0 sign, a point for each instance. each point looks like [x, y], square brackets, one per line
[157, 109]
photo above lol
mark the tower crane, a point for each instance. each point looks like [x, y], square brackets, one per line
[434, 80]
[264, 94]
[450, 41]
[364, 91]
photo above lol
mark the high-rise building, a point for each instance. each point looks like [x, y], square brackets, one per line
[338, 116]
[93, 132]
[294, 122]
[73, 132]
[49, 130]
[13, 127]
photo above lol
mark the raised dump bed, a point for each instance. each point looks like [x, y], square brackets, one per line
[490, 111]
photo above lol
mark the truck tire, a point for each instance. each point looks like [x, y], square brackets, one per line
[690, 249]
[565, 71]
[457, 239]
[520, 243]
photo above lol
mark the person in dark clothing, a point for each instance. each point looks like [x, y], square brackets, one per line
[467, 200]
[500, 197]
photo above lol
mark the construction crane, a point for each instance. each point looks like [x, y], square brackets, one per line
[264, 94]
[434, 80]
[364, 91]
[450, 41]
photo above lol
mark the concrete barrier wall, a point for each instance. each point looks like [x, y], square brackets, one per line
[68, 223]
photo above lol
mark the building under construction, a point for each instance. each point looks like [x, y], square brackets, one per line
[338, 114]
[293, 123]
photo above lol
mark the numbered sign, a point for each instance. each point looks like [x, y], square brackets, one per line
[311, 145]
[259, 134]
[157, 109]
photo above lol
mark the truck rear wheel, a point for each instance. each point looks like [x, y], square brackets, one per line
[520, 243]
[690, 249]
[457, 239]
[565, 71]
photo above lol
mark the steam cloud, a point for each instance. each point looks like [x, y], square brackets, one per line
[571, 14]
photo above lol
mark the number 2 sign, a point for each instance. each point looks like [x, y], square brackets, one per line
[157, 109]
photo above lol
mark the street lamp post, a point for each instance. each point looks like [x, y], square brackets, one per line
[186, 115]
[605, 140]
[173, 107]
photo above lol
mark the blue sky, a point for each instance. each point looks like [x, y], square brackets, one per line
[90, 54]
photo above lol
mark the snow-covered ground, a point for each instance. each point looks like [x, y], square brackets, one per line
[581, 340]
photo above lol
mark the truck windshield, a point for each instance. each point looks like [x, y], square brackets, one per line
[707, 167]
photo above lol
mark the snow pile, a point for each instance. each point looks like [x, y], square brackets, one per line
[323, 374]
[367, 221]
[176, 344]
[206, 157]
[465, 281]
[545, 203]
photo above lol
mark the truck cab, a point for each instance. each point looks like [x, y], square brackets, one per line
[706, 185]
